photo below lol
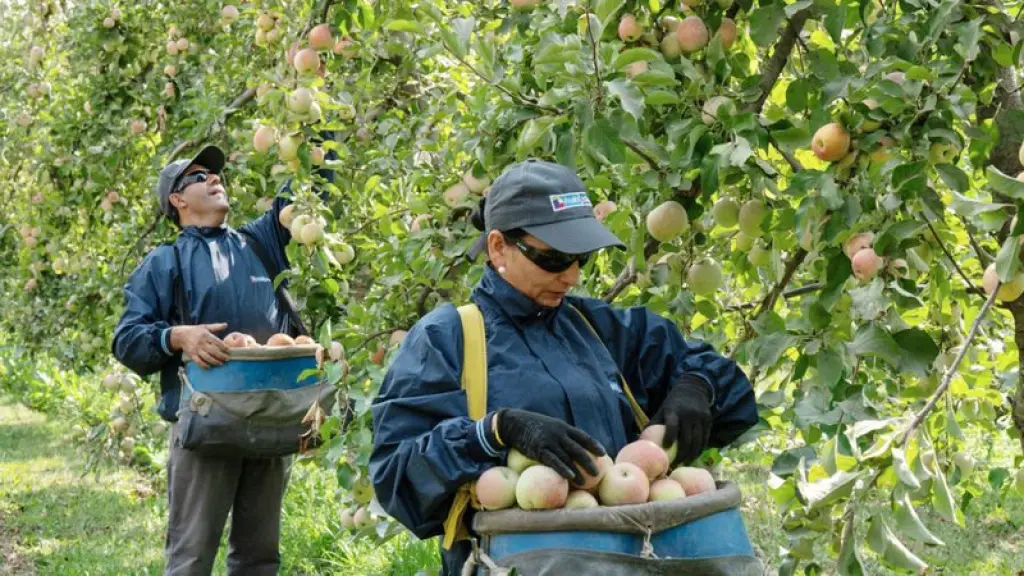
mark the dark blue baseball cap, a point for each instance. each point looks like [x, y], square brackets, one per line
[547, 201]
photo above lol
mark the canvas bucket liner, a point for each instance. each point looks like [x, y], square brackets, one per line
[703, 534]
[254, 405]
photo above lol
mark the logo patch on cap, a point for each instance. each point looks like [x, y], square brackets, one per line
[569, 200]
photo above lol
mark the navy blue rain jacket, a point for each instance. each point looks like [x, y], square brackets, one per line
[224, 281]
[541, 359]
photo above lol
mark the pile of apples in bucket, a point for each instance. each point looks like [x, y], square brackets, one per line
[640, 473]
[239, 340]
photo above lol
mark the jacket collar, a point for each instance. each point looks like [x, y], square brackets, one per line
[516, 305]
[203, 232]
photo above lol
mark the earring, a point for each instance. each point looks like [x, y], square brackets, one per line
[502, 270]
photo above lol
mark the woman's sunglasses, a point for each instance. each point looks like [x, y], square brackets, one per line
[547, 260]
[190, 179]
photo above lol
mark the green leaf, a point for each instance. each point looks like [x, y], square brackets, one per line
[631, 55]
[872, 340]
[893, 553]
[532, 133]
[849, 563]
[969, 36]
[1004, 184]
[766, 24]
[629, 95]
[919, 350]
[835, 19]
[405, 26]
[603, 141]
[1007, 261]
[942, 499]
[828, 490]
[890, 236]
[605, 9]
[953, 177]
[899, 464]
[910, 525]
[769, 348]
[969, 207]
[662, 98]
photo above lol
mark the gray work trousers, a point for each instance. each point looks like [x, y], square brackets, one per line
[202, 490]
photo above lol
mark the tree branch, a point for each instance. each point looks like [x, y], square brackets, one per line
[791, 293]
[942, 245]
[951, 371]
[790, 159]
[628, 274]
[597, 67]
[775, 65]
[514, 96]
[795, 260]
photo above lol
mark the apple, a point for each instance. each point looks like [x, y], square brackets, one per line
[897, 77]
[182, 44]
[669, 23]
[273, 35]
[709, 113]
[311, 233]
[870, 125]
[229, 14]
[1008, 291]
[280, 339]
[109, 22]
[830, 142]
[541, 488]
[419, 223]
[287, 216]
[30, 284]
[666, 489]
[965, 462]
[866, 264]
[320, 37]
[264, 138]
[704, 277]
[127, 445]
[752, 214]
[942, 153]
[169, 90]
[475, 185]
[726, 33]
[1020, 177]
[1020, 155]
[625, 483]
[297, 223]
[265, 22]
[362, 518]
[119, 425]
[759, 255]
[344, 47]
[300, 100]
[667, 221]
[670, 46]
[307, 61]
[378, 356]
[364, 134]
[580, 499]
[692, 34]
[646, 455]
[344, 253]
[235, 340]
[629, 29]
[172, 48]
[126, 406]
[127, 385]
[346, 519]
[603, 209]
[726, 212]
[858, 242]
[336, 352]
[454, 195]
[590, 482]
[693, 480]
[171, 70]
[138, 126]
[519, 461]
[316, 156]
[112, 382]
[496, 488]
[656, 433]
[634, 69]
[288, 147]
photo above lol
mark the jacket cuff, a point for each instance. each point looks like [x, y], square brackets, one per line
[483, 444]
[698, 380]
[165, 341]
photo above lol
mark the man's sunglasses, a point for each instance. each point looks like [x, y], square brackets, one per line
[547, 260]
[190, 179]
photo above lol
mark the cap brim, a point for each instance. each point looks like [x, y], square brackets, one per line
[575, 236]
[210, 157]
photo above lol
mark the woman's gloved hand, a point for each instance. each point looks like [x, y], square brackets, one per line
[686, 414]
[550, 441]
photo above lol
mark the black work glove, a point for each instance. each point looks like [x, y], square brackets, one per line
[550, 442]
[686, 414]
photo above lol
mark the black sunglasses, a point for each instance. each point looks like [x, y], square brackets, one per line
[548, 260]
[190, 179]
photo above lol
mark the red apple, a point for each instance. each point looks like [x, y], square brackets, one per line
[541, 488]
[624, 483]
[647, 456]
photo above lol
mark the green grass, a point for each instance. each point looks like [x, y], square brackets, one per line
[53, 520]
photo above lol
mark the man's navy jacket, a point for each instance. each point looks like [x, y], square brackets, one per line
[224, 281]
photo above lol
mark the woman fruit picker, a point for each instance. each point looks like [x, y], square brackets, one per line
[555, 366]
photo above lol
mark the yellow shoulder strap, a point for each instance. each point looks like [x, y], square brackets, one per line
[474, 382]
[638, 412]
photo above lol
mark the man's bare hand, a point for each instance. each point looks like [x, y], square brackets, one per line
[200, 343]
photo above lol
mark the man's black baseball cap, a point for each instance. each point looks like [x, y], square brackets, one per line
[547, 201]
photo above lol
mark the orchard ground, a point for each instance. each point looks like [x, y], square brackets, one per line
[55, 520]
